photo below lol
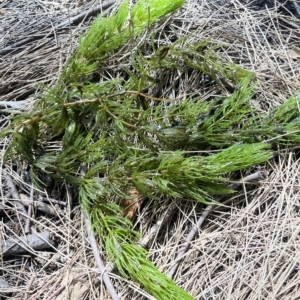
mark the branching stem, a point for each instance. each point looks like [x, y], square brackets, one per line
[123, 122]
[148, 97]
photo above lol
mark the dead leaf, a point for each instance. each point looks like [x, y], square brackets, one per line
[132, 205]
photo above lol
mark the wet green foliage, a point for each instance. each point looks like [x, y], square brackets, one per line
[127, 139]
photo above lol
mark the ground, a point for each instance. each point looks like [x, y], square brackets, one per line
[247, 248]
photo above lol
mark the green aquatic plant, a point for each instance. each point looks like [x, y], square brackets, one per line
[128, 139]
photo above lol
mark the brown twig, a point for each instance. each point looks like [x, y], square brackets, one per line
[149, 97]
[251, 178]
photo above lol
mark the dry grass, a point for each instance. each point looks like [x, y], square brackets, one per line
[247, 249]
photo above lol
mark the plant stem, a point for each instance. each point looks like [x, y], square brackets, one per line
[93, 242]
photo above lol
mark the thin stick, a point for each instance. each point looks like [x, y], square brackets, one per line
[15, 194]
[189, 238]
[29, 212]
[33, 276]
[70, 199]
[100, 264]
[253, 177]
[38, 205]
[148, 238]
[51, 200]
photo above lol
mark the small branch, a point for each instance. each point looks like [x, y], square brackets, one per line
[33, 276]
[80, 102]
[114, 95]
[51, 200]
[17, 245]
[41, 206]
[110, 288]
[106, 110]
[123, 122]
[251, 178]
[61, 25]
[85, 14]
[105, 277]
[148, 97]
[15, 194]
[148, 238]
[70, 200]
[29, 212]
[189, 238]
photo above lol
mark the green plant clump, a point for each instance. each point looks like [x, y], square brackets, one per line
[126, 139]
